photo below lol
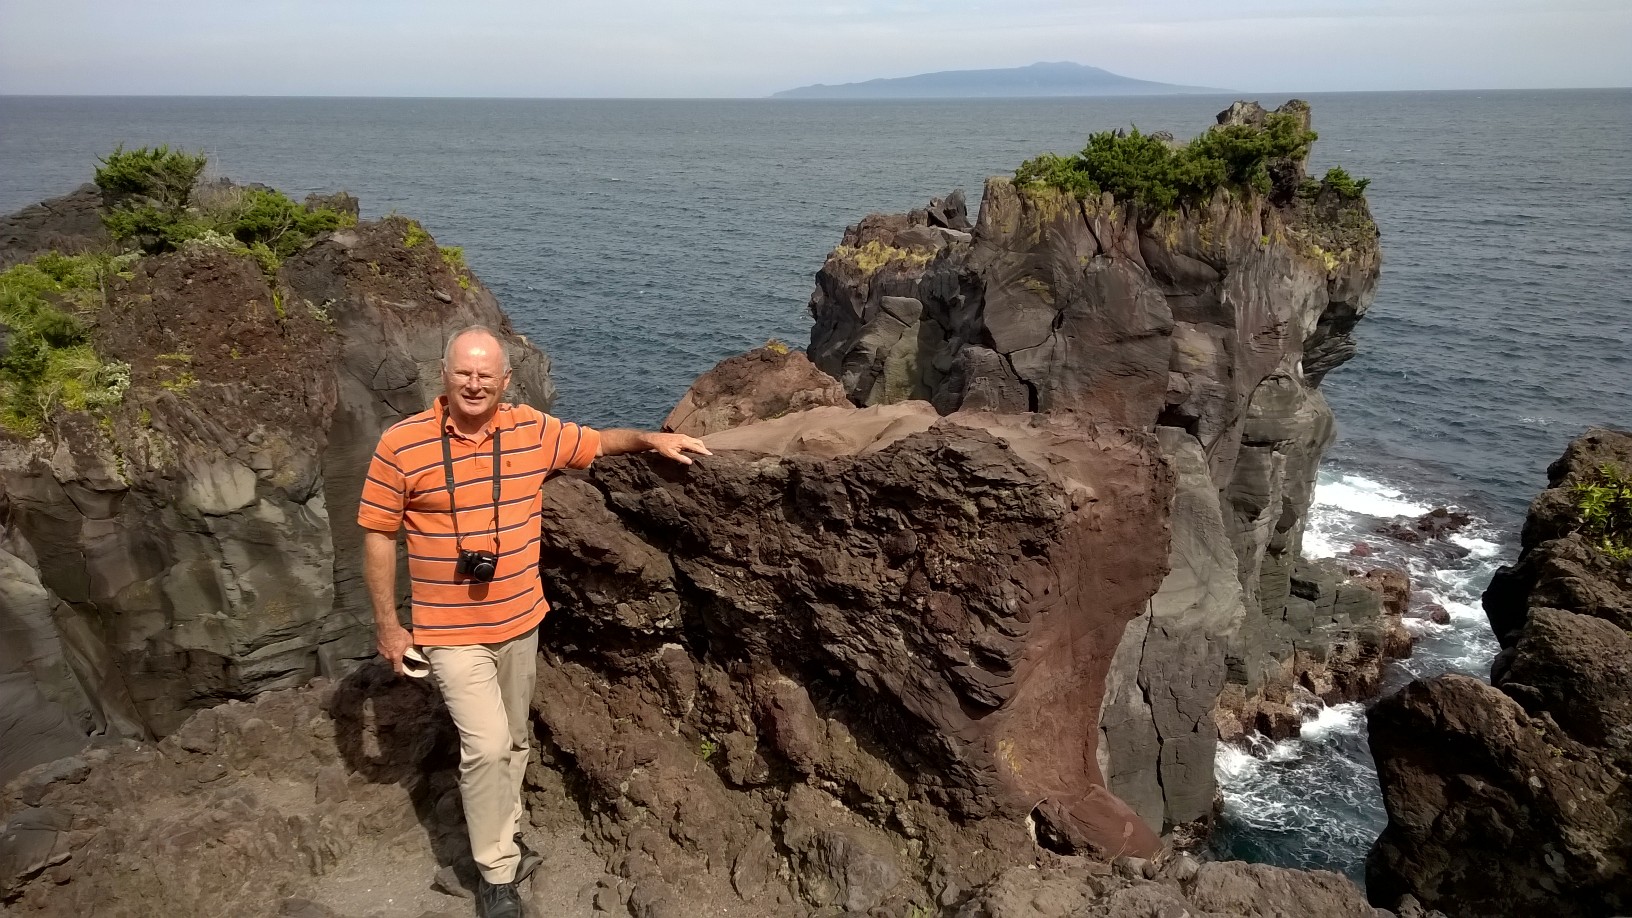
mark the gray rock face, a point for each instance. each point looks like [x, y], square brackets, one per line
[1510, 798]
[197, 544]
[1213, 324]
[70, 223]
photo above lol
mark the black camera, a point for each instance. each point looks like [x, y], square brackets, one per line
[477, 565]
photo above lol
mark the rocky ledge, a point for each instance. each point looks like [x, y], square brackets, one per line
[306, 803]
[1511, 798]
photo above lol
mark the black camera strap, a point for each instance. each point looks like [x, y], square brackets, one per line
[447, 470]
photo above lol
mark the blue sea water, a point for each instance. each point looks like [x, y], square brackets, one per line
[639, 242]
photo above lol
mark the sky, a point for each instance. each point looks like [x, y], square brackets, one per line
[751, 48]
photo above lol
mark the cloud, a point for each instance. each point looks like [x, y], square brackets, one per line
[745, 48]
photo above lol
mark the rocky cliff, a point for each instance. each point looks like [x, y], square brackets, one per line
[1511, 798]
[908, 658]
[339, 800]
[192, 543]
[1209, 325]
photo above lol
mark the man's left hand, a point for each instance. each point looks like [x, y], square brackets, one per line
[675, 446]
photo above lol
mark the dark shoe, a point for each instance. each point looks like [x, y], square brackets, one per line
[529, 862]
[498, 900]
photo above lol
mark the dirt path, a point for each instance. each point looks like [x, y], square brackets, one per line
[399, 879]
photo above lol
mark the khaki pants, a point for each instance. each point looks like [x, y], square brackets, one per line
[489, 691]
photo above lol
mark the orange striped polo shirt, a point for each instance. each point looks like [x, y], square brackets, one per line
[407, 488]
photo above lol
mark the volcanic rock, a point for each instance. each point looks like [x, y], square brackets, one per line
[70, 223]
[1509, 798]
[180, 553]
[904, 622]
[765, 383]
[1215, 324]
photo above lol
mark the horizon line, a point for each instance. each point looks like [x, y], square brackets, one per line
[774, 98]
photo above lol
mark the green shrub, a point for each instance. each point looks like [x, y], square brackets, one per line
[414, 235]
[160, 174]
[1347, 187]
[151, 203]
[271, 219]
[1603, 500]
[48, 361]
[1146, 170]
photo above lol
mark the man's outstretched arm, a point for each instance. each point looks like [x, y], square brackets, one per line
[670, 445]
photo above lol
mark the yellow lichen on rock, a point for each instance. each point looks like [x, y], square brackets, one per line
[875, 255]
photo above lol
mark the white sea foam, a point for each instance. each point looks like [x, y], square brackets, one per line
[1477, 547]
[1320, 788]
[1328, 720]
[1358, 494]
[1316, 544]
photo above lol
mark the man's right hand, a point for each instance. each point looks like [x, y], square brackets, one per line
[392, 644]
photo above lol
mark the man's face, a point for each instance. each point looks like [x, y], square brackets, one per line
[474, 377]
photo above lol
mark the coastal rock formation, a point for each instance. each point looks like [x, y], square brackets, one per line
[911, 615]
[306, 802]
[176, 550]
[1511, 798]
[862, 660]
[767, 382]
[67, 223]
[1211, 326]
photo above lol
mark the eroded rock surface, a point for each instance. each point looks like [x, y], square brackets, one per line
[1211, 326]
[69, 223]
[339, 800]
[184, 551]
[765, 383]
[916, 623]
[1511, 798]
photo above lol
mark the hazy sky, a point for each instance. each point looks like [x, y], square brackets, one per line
[755, 47]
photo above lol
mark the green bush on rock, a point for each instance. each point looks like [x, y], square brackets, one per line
[47, 360]
[161, 175]
[152, 201]
[1603, 501]
[1347, 187]
[1155, 174]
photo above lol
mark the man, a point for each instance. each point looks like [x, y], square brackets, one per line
[462, 480]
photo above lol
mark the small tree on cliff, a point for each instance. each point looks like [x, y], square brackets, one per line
[147, 192]
[152, 200]
[1146, 170]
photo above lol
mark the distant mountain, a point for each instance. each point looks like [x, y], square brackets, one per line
[1056, 79]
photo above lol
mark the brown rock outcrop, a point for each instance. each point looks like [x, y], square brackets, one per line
[266, 808]
[243, 806]
[177, 551]
[1510, 798]
[767, 382]
[1212, 326]
[919, 622]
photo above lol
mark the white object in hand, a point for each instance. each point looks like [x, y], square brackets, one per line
[415, 663]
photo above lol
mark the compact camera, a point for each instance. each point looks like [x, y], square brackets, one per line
[477, 565]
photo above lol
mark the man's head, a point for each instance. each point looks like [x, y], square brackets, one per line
[475, 374]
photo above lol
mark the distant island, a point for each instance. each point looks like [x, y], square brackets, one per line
[1062, 78]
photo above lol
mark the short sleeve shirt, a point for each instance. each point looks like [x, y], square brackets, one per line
[407, 488]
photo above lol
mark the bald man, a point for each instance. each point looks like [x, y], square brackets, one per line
[461, 481]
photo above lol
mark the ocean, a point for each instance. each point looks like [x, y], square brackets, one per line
[640, 242]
